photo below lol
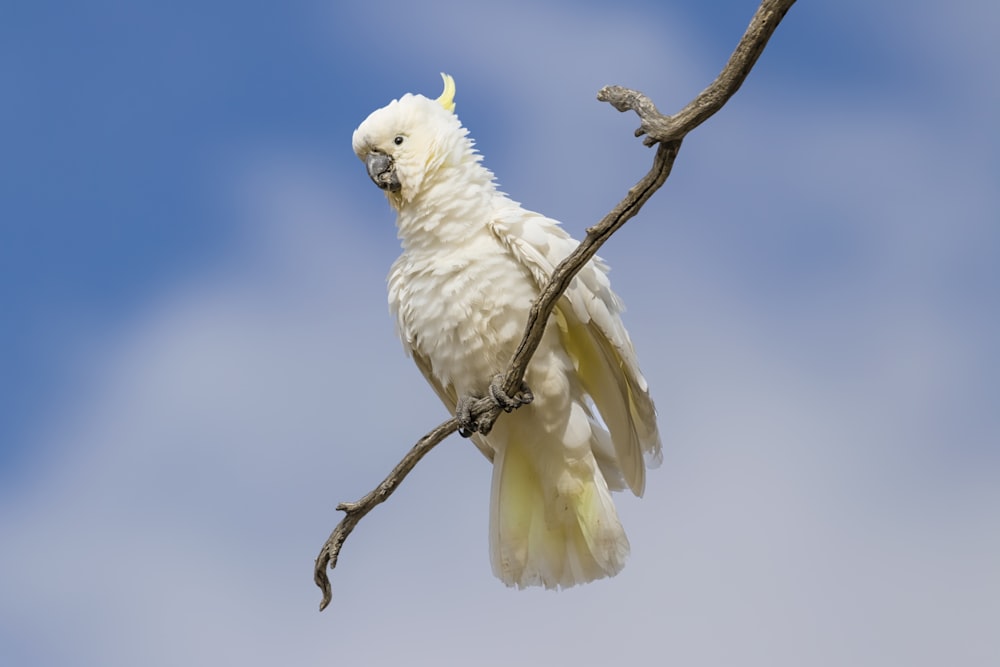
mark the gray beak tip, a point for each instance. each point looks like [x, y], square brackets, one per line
[382, 171]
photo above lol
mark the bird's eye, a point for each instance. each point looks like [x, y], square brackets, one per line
[398, 140]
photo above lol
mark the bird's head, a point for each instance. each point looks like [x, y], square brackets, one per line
[409, 139]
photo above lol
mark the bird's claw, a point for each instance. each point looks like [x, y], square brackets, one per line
[505, 401]
[468, 423]
[463, 413]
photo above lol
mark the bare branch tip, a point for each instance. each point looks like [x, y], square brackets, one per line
[327, 596]
[322, 580]
[621, 98]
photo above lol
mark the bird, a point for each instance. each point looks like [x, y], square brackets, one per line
[472, 262]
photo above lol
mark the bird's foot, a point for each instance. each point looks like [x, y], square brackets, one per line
[469, 423]
[508, 402]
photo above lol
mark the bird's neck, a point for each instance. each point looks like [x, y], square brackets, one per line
[452, 208]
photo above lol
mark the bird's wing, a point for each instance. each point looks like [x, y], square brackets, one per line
[448, 396]
[589, 318]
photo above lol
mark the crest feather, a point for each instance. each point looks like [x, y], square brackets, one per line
[447, 99]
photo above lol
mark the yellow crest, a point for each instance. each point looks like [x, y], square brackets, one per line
[447, 99]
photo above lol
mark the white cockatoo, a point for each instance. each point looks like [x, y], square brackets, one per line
[472, 263]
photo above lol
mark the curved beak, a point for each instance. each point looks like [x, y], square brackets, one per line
[382, 171]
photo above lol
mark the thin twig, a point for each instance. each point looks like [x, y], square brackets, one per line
[668, 132]
[354, 512]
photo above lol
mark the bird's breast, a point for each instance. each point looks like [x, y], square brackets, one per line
[462, 309]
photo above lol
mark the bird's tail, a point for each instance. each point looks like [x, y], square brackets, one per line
[552, 520]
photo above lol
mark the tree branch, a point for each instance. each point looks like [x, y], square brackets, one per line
[668, 132]
[659, 128]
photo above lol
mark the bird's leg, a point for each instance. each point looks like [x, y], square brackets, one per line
[469, 423]
[508, 402]
[463, 413]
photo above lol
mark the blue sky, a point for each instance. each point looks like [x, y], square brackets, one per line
[198, 361]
